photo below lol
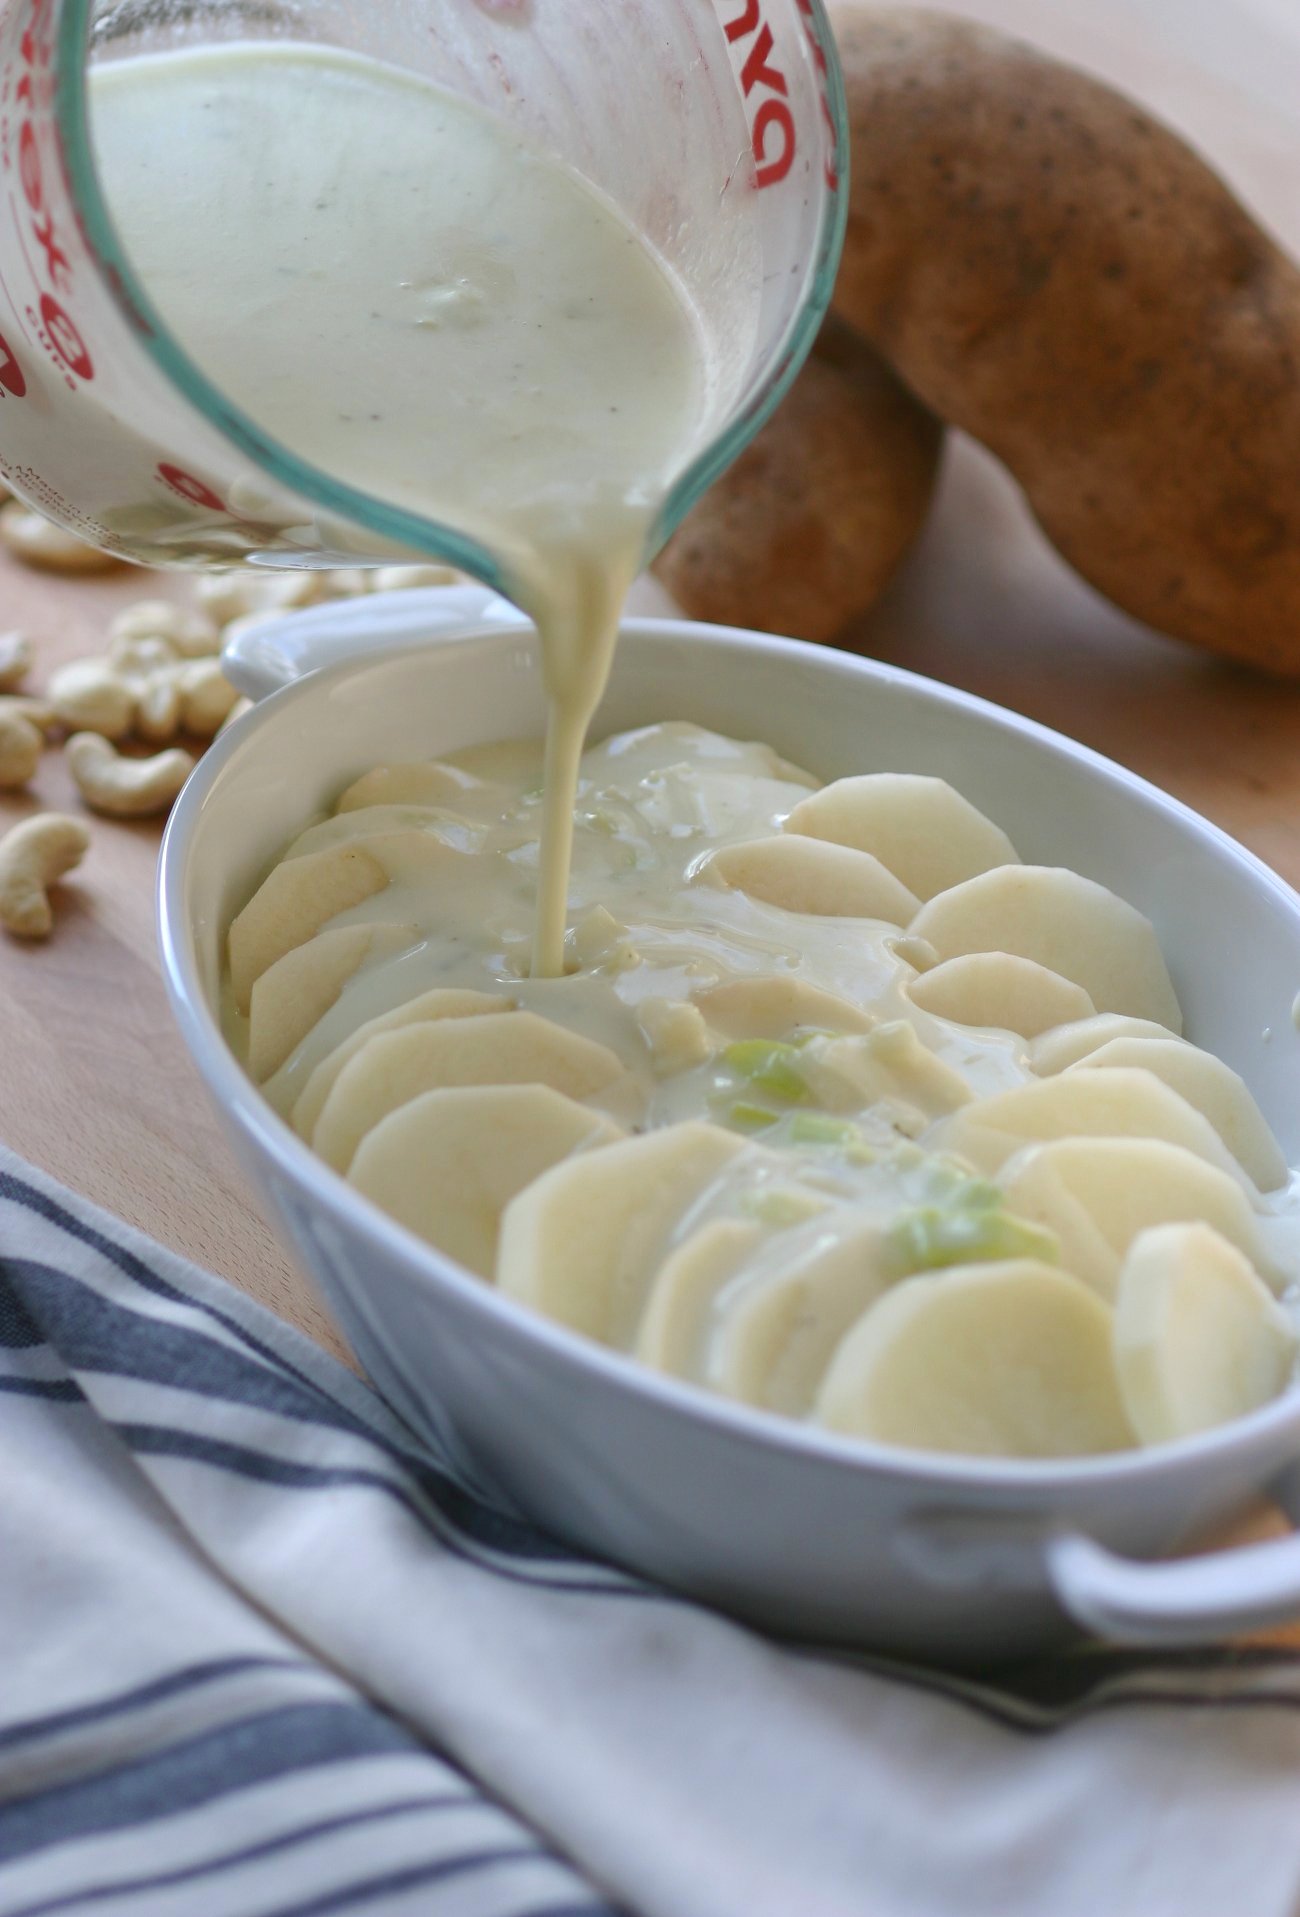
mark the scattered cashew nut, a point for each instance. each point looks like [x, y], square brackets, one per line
[126, 788]
[39, 542]
[16, 655]
[223, 596]
[32, 856]
[21, 745]
[206, 698]
[138, 655]
[90, 695]
[158, 709]
[186, 632]
[37, 712]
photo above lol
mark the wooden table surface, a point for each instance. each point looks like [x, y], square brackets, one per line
[94, 1083]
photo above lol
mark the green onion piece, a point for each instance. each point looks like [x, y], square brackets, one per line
[930, 1239]
[751, 1118]
[766, 1062]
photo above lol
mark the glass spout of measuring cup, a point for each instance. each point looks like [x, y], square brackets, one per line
[714, 130]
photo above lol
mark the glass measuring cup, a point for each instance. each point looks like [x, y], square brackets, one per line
[716, 126]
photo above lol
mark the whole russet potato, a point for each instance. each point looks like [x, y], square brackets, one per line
[1053, 270]
[801, 534]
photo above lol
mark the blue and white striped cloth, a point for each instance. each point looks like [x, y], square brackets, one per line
[261, 1655]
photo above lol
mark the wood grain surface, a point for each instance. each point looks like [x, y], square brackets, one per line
[95, 1085]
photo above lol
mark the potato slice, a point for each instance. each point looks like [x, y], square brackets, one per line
[1008, 1360]
[1213, 1088]
[583, 1242]
[300, 896]
[810, 875]
[425, 782]
[1111, 1104]
[442, 1002]
[774, 1339]
[1098, 1194]
[1199, 1339]
[447, 1164]
[503, 1048]
[671, 1334]
[924, 831]
[775, 1007]
[1053, 1051]
[350, 827]
[1000, 989]
[1064, 921]
[299, 988]
[890, 1063]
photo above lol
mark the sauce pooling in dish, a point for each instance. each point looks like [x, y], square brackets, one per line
[840, 1110]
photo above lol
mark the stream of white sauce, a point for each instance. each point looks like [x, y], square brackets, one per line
[405, 292]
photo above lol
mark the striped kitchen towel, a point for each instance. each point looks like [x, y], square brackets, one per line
[262, 1655]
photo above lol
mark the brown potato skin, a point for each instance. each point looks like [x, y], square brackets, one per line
[800, 535]
[1057, 273]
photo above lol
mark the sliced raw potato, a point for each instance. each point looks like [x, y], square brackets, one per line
[920, 828]
[1010, 1360]
[364, 823]
[775, 1336]
[1000, 989]
[891, 1062]
[442, 1002]
[300, 896]
[1199, 1339]
[1054, 1051]
[813, 876]
[1098, 1194]
[1067, 923]
[1213, 1088]
[299, 988]
[503, 1048]
[425, 782]
[775, 1007]
[1105, 1104]
[447, 1164]
[673, 1326]
[583, 1242]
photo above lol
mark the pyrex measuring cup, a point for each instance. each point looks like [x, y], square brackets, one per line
[716, 126]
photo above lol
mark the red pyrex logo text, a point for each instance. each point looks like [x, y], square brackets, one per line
[773, 132]
[58, 327]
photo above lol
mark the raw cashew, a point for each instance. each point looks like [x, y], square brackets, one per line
[16, 655]
[189, 634]
[37, 712]
[139, 655]
[39, 542]
[225, 596]
[158, 709]
[21, 745]
[206, 698]
[89, 695]
[32, 857]
[126, 788]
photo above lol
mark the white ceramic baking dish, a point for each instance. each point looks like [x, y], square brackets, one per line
[777, 1522]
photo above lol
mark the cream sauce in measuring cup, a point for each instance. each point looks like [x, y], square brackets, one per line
[405, 292]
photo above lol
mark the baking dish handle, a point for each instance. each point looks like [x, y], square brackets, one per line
[1194, 1600]
[263, 658]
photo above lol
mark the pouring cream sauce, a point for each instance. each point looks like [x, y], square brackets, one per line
[393, 283]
